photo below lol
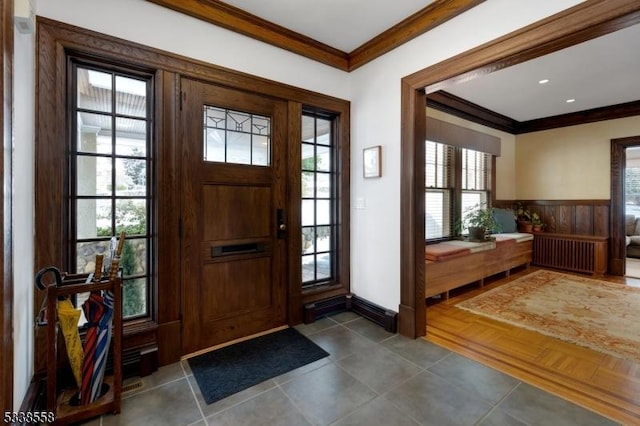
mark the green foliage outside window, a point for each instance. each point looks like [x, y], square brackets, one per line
[136, 169]
[132, 295]
[134, 218]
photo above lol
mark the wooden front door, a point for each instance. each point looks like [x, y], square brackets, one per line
[233, 221]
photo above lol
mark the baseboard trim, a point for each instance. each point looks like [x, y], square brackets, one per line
[321, 308]
[385, 318]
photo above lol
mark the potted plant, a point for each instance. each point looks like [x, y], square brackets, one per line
[524, 218]
[536, 222]
[480, 221]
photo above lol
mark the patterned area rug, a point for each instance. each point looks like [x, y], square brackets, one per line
[599, 315]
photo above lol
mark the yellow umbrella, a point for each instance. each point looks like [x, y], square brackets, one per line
[68, 317]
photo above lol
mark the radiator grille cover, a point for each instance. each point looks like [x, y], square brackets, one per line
[579, 253]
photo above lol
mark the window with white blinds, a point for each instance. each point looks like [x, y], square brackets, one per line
[476, 180]
[439, 185]
[456, 180]
[476, 170]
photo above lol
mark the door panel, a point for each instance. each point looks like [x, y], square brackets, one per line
[235, 287]
[227, 203]
[233, 257]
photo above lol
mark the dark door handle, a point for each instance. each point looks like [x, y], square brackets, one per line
[281, 225]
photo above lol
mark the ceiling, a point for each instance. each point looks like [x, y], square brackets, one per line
[332, 25]
[343, 24]
[601, 72]
[598, 73]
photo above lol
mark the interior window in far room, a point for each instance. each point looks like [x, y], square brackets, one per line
[457, 180]
[439, 184]
[476, 180]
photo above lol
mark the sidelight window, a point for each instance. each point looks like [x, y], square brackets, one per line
[319, 205]
[110, 189]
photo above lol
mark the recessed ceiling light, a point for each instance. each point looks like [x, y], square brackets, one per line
[544, 81]
[570, 101]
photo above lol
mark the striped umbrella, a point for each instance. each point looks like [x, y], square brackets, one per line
[93, 309]
[102, 344]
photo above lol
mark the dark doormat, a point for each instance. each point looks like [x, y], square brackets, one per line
[228, 370]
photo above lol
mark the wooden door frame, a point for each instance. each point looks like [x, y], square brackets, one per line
[587, 20]
[6, 247]
[617, 244]
[231, 177]
[54, 41]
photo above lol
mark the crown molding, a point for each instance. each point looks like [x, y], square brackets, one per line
[234, 19]
[437, 13]
[451, 104]
[611, 112]
[226, 16]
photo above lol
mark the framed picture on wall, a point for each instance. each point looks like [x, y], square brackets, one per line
[372, 161]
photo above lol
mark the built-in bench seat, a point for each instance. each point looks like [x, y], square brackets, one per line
[452, 264]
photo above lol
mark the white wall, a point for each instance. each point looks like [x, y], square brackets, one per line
[159, 27]
[23, 216]
[375, 118]
[374, 90]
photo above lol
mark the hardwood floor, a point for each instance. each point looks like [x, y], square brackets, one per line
[600, 382]
[633, 267]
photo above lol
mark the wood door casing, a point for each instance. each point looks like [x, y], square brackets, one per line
[577, 24]
[618, 244]
[164, 327]
[233, 263]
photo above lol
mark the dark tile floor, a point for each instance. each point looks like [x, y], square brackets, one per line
[371, 378]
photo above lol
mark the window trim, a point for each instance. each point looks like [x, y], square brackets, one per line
[74, 63]
[55, 52]
[341, 283]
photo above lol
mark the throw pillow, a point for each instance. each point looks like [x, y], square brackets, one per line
[506, 220]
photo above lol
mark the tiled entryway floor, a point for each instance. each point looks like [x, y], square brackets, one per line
[371, 378]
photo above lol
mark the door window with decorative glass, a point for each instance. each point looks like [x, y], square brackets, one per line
[236, 137]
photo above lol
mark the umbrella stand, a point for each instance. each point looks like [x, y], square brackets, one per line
[98, 309]
[60, 399]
